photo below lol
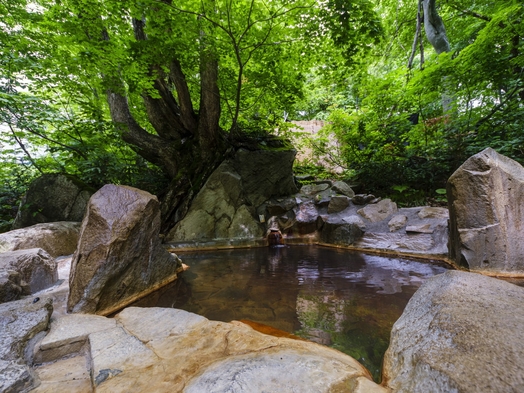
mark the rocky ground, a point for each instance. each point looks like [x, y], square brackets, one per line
[461, 332]
[159, 350]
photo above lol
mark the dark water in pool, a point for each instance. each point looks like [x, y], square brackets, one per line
[343, 299]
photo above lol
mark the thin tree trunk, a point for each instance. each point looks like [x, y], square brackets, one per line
[417, 37]
[434, 27]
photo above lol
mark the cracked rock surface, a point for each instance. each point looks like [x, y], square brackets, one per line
[170, 350]
[20, 322]
[461, 332]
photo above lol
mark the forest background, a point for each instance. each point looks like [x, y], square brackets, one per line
[155, 93]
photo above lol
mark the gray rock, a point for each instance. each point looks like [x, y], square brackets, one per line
[378, 211]
[219, 211]
[461, 332]
[343, 188]
[354, 219]
[280, 207]
[20, 322]
[306, 216]
[226, 207]
[433, 212]
[10, 286]
[485, 196]
[426, 228]
[362, 199]
[57, 238]
[340, 231]
[14, 377]
[36, 267]
[337, 204]
[282, 371]
[304, 177]
[397, 222]
[324, 181]
[265, 174]
[323, 201]
[312, 189]
[68, 334]
[51, 198]
[119, 255]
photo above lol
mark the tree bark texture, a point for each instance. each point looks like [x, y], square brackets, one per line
[187, 145]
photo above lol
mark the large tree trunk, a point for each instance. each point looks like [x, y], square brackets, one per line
[186, 145]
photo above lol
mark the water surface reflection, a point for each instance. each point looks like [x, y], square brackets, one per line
[336, 297]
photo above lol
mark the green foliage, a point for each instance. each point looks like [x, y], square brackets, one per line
[14, 179]
[318, 171]
[343, 61]
[394, 132]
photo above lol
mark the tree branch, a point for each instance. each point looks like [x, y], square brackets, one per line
[417, 35]
[151, 147]
[471, 13]
[187, 113]
[163, 113]
[22, 146]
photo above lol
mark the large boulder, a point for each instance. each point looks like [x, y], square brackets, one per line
[338, 204]
[169, 350]
[35, 266]
[485, 196]
[119, 256]
[306, 218]
[10, 286]
[226, 207]
[57, 238]
[53, 197]
[461, 332]
[265, 174]
[21, 323]
[379, 211]
[343, 188]
[341, 231]
[219, 211]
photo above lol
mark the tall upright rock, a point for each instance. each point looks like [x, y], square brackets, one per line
[486, 209]
[119, 257]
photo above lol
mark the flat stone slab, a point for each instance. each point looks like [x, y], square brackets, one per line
[114, 351]
[421, 243]
[426, 228]
[433, 212]
[69, 334]
[64, 376]
[168, 350]
[161, 322]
